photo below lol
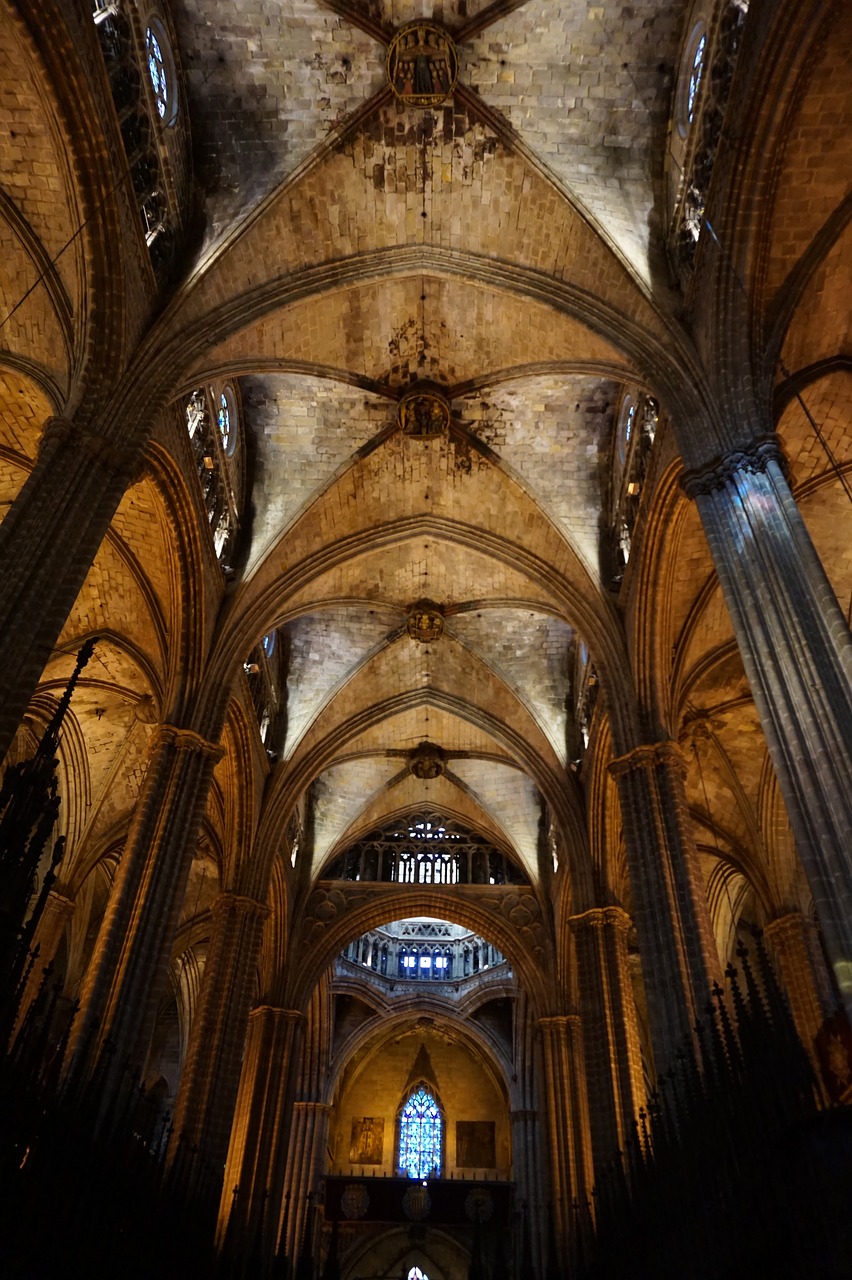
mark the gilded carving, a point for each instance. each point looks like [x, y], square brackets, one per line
[427, 761]
[424, 414]
[425, 621]
[422, 64]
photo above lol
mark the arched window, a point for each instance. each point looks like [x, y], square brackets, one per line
[416, 1274]
[696, 71]
[421, 1131]
[691, 75]
[214, 469]
[161, 70]
[227, 421]
[626, 423]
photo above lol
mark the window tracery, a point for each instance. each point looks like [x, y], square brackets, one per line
[428, 850]
[263, 674]
[213, 463]
[635, 435]
[423, 950]
[695, 74]
[707, 70]
[141, 114]
[157, 72]
[421, 1126]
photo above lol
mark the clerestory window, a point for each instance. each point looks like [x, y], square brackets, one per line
[421, 1129]
[161, 71]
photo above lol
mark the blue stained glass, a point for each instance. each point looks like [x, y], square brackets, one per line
[224, 421]
[420, 1130]
[628, 426]
[157, 72]
[695, 78]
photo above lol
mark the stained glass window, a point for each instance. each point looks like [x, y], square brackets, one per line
[416, 1274]
[157, 72]
[420, 1130]
[695, 74]
[224, 421]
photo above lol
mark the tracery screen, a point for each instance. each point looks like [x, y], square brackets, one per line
[420, 1129]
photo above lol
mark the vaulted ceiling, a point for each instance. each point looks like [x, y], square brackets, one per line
[506, 246]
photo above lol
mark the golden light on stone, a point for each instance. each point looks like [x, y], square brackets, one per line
[423, 65]
[424, 413]
[427, 761]
[425, 621]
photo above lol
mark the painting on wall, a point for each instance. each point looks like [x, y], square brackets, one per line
[368, 1136]
[475, 1148]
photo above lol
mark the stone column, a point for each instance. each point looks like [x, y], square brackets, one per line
[204, 1109]
[254, 1171]
[797, 652]
[308, 1138]
[611, 1030]
[679, 959]
[48, 541]
[49, 932]
[526, 1168]
[568, 1121]
[128, 970]
[794, 940]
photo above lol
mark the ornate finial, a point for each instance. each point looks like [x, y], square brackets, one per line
[424, 412]
[425, 621]
[427, 761]
[423, 65]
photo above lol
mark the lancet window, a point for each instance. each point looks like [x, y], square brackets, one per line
[707, 69]
[421, 1129]
[262, 670]
[635, 433]
[215, 461]
[143, 83]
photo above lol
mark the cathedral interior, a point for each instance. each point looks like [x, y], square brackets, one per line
[425, 664]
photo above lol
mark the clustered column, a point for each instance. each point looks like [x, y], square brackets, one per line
[568, 1113]
[794, 940]
[611, 1032]
[208, 1088]
[305, 1153]
[797, 653]
[128, 971]
[48, 541]
[679, 959]
[254, 1172]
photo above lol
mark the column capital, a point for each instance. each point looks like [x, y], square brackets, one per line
[276, 1013]
[561, 1022]
[721, 470]
[186, 740]
[60, 904]
[229, 903]
[648, 756]
[600, 917]
[793, 924]
[313, 1108]
[103, 453]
